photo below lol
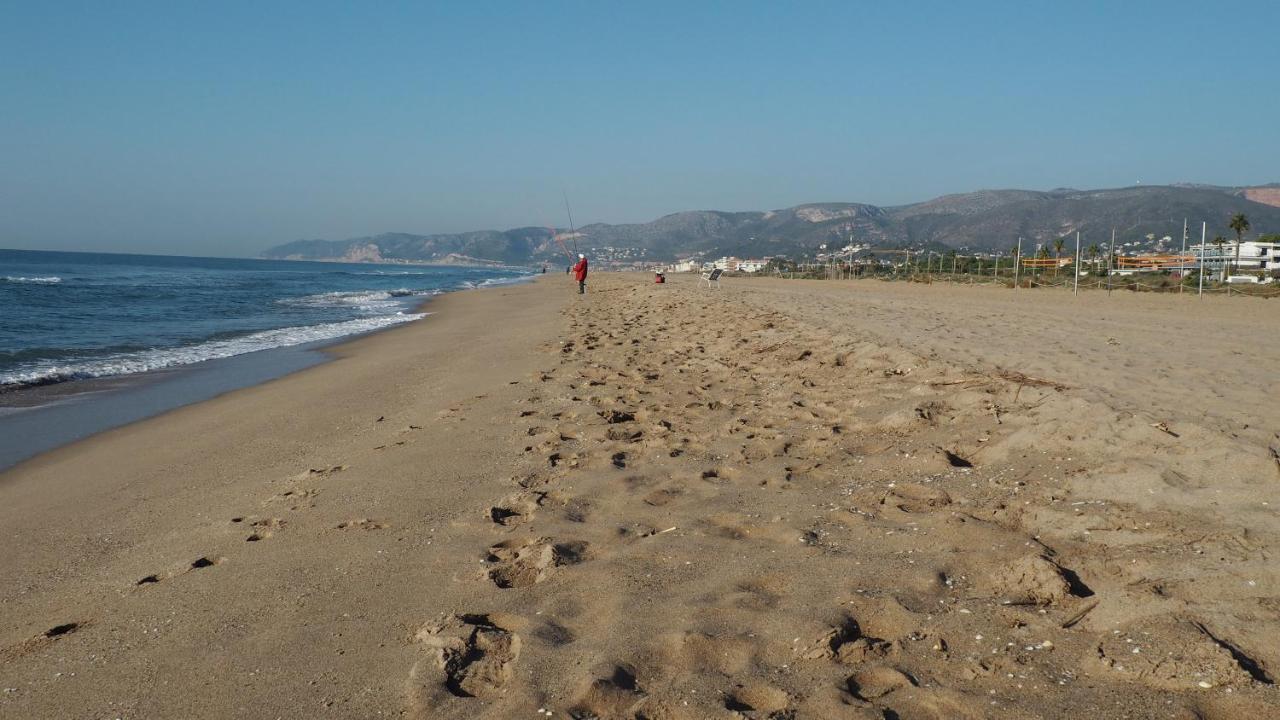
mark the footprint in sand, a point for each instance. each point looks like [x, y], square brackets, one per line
[453, 414]
[361, 524]
[297, 496]
[614, 417]
[663, 495]
[565, 460]
[1035, 580]
[623, 434]
[522, 563]
[849, 643]
[1173, 653]
[875, 682]
[476, 654]
[617, 696]
[264, 528]
[206, 562]
[32, 644]
[916, 498]
[516, 508]
[758, 697]
[322, 471]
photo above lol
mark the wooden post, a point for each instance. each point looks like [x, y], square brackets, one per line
[1111, 256]
[1017, 264]
[1182, 259]
[1204, 226]
[1075, 288]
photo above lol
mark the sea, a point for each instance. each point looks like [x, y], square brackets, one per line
[82, 324]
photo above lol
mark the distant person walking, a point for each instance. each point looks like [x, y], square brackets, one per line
[580, 273]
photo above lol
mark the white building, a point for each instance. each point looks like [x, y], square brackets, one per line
[1254, 255]
[733, 264]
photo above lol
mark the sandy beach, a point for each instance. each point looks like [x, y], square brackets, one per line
[782, 499]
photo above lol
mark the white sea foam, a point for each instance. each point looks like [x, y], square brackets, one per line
[505, 281]
[382, 301]
[379, 301]
[491, 282]
[156, 359]
[46, 280]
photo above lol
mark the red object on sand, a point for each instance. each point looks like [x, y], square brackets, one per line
[580, 270]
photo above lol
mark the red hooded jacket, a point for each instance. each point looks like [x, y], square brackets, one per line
[580, 270]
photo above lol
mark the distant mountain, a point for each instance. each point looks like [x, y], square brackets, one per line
[1266, 194]
[512, 246]
[983, 220]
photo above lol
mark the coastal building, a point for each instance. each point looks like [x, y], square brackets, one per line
[1254, 255]
[733, 264]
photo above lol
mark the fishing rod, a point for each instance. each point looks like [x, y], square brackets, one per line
[559, 241]
[573, 235]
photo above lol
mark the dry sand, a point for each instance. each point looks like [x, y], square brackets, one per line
[779, 500]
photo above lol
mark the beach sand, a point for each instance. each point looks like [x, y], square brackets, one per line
[783, 499]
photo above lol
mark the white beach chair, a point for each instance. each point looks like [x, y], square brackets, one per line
[712, 279]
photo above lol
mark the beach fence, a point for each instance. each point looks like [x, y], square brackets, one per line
[1183, 273]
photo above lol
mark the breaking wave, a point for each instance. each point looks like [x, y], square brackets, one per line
[47, 280]
[136, 362]
[364, 300]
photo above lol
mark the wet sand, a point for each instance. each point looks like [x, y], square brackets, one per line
[783, 499]
[39, 419]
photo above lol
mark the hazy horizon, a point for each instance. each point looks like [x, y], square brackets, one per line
[222, 130]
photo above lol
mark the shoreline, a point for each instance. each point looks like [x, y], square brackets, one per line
[79, 409]
[103, 404]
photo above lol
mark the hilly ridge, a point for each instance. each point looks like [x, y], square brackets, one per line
[979, 221]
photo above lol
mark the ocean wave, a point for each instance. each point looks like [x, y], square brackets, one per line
[506, 281]
[491, 282]
[46, 280]
[370, 300]
[156, 359]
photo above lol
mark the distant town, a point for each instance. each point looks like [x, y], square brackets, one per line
[1246, 261]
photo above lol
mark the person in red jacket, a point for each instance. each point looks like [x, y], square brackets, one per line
[580, 273]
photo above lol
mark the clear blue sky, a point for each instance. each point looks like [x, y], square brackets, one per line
[220, 128]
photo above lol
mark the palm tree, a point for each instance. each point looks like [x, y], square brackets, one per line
[1094, 251]
[1220, 241]
[1240, 224]
[1057, 254]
